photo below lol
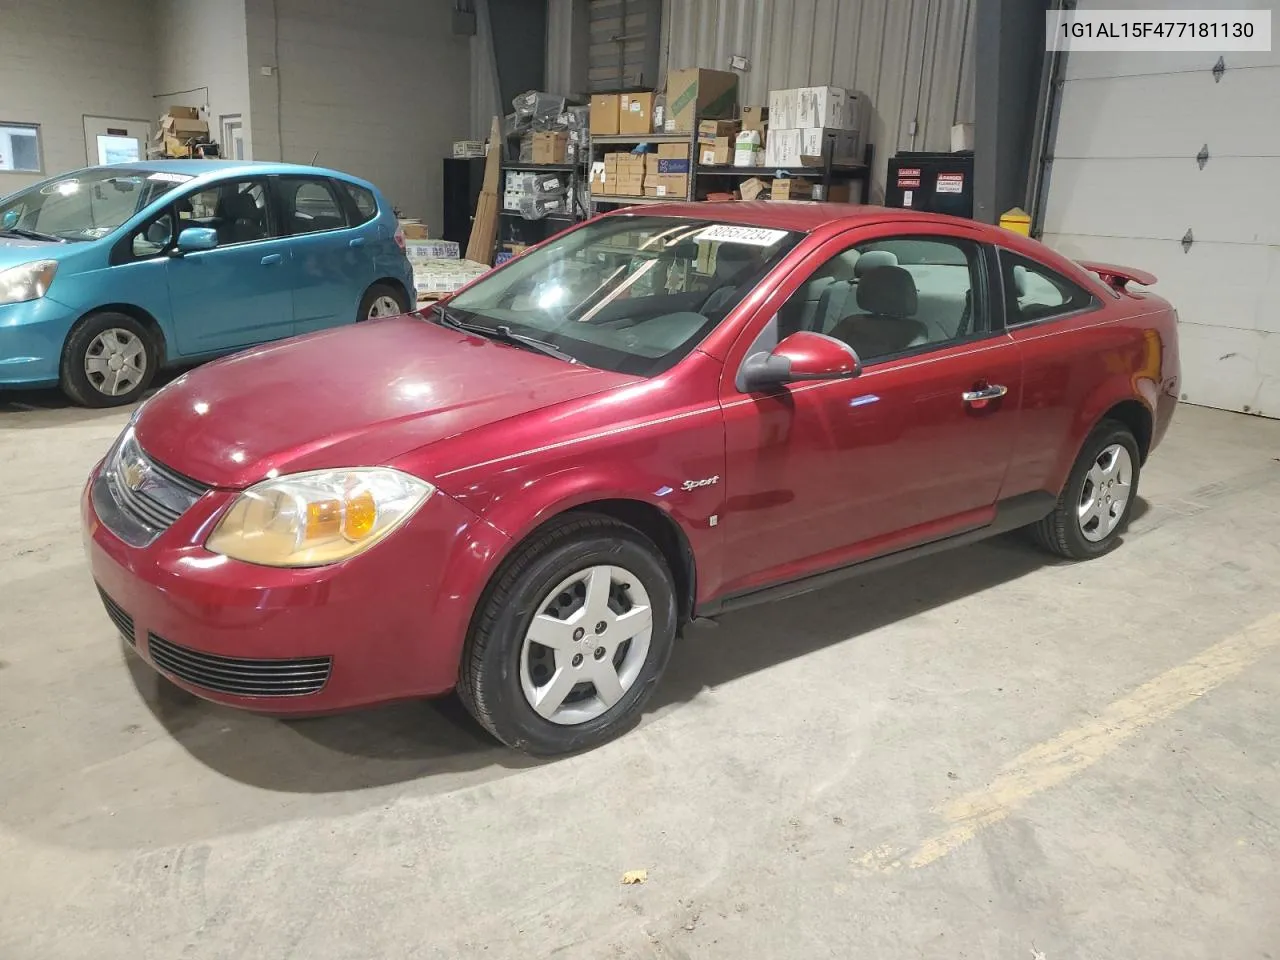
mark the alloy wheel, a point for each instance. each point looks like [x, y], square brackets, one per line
[115, 362]
[586, 645]
[384, 306]
[1106, 491]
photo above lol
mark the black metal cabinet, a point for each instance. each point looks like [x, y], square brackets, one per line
[933, 182]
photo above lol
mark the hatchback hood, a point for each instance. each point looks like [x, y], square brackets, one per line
[356, 396]
[18, 250]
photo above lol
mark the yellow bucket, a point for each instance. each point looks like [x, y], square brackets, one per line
[1017, 221]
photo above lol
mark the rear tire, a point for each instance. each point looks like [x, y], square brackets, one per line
[545, 699]
[1097, 500]
[381, 300]
[108, 360]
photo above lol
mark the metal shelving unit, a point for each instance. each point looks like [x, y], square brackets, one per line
[634, 139]
[828, 173]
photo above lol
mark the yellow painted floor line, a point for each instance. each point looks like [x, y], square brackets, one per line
[1055, 761]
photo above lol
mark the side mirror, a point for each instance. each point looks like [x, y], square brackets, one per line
[194, 239]
[801, 356]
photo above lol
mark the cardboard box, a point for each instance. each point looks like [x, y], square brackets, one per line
[604, 114]
[824, 107]
[755, 118]
[414, 230]
[172, 148]
[836, 193]
[189, 113]
[751, 189]
[709, 131]
[635, 113]
[673, 151]
[784, 109]
[651, 168]
[804, 147]
[788, 189]
[673, 186]
[696, 93]
[550, 146]
[718, 153]
[431, 250]
[184, 128]
[468, 148]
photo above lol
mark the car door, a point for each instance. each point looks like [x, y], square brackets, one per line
[913, 449]
[332, 260]
[238, 293]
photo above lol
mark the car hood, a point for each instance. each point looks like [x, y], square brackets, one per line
[18, 250]
[354, 396]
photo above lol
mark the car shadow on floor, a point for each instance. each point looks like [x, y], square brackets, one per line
[410, 741]
[56, 408]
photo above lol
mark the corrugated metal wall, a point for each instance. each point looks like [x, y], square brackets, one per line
[913, 59]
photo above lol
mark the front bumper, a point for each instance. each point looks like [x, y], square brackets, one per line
[31, 338]
[387, 624]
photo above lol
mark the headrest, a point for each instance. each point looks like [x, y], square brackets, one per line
[872, 259]
[238, 206]
[888, 291]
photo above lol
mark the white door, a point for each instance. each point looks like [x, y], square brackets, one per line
[233, 145]
[1125, 186]
[115, 140]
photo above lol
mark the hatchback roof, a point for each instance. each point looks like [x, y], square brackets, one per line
[196, 168]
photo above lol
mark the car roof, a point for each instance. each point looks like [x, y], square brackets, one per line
[199, 168]
[801, 215]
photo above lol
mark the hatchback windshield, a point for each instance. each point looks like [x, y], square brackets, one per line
[85, 205]
[632, 294]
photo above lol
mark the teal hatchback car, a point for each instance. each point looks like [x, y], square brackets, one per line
[108, 274]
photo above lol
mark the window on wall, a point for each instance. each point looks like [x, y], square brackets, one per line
[20, 147]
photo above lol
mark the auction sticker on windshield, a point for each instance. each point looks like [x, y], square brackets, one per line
[731, 233]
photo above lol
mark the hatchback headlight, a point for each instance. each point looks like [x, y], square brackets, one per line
[311, 519]
[30, 281]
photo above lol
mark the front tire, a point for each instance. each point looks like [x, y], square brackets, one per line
[1094, 506]
[571, 638]
[381, 300]
[108, 360]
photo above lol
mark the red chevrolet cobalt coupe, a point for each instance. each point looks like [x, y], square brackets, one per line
[525, 492]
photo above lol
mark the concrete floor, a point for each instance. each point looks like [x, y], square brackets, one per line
[981, 754]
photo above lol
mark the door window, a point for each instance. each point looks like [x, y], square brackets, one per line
[366, 205]
[1034, 292]
[236, 209]
[892, 296]
[310, 205]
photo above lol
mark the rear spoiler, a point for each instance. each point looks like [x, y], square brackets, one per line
[1116, 277]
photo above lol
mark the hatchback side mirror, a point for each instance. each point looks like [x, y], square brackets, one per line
[195, 239]
[801, 356]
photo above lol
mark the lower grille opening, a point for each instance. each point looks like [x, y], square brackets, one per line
[122, 620]
[240, 676]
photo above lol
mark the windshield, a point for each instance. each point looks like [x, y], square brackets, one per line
[84, 205]
[632, 294]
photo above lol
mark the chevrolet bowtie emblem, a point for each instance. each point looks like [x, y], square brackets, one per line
[133, 474]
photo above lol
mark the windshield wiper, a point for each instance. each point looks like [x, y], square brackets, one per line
[501, 332]
[31, 234]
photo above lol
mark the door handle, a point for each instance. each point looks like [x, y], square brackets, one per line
[271, 258]
[356, 242]
[982, 394]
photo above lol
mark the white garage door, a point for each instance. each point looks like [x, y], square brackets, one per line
[1125, 187]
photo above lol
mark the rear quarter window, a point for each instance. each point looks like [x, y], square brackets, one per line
[365, 202]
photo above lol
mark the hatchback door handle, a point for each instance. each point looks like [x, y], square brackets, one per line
[983, 394]
[271, 258]
[356, 242]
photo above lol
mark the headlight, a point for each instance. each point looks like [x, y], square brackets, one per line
[310, 519]
[27, 282]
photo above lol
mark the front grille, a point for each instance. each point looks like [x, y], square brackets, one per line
[239, 676]
[160, 499]
[122, 620]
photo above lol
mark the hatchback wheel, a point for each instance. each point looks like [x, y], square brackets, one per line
[1095, 504]
[571, 638]
[108, 361]
[381, 300]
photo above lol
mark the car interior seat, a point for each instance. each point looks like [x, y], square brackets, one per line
[887, 325]
[239, 220]
[839, 298]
